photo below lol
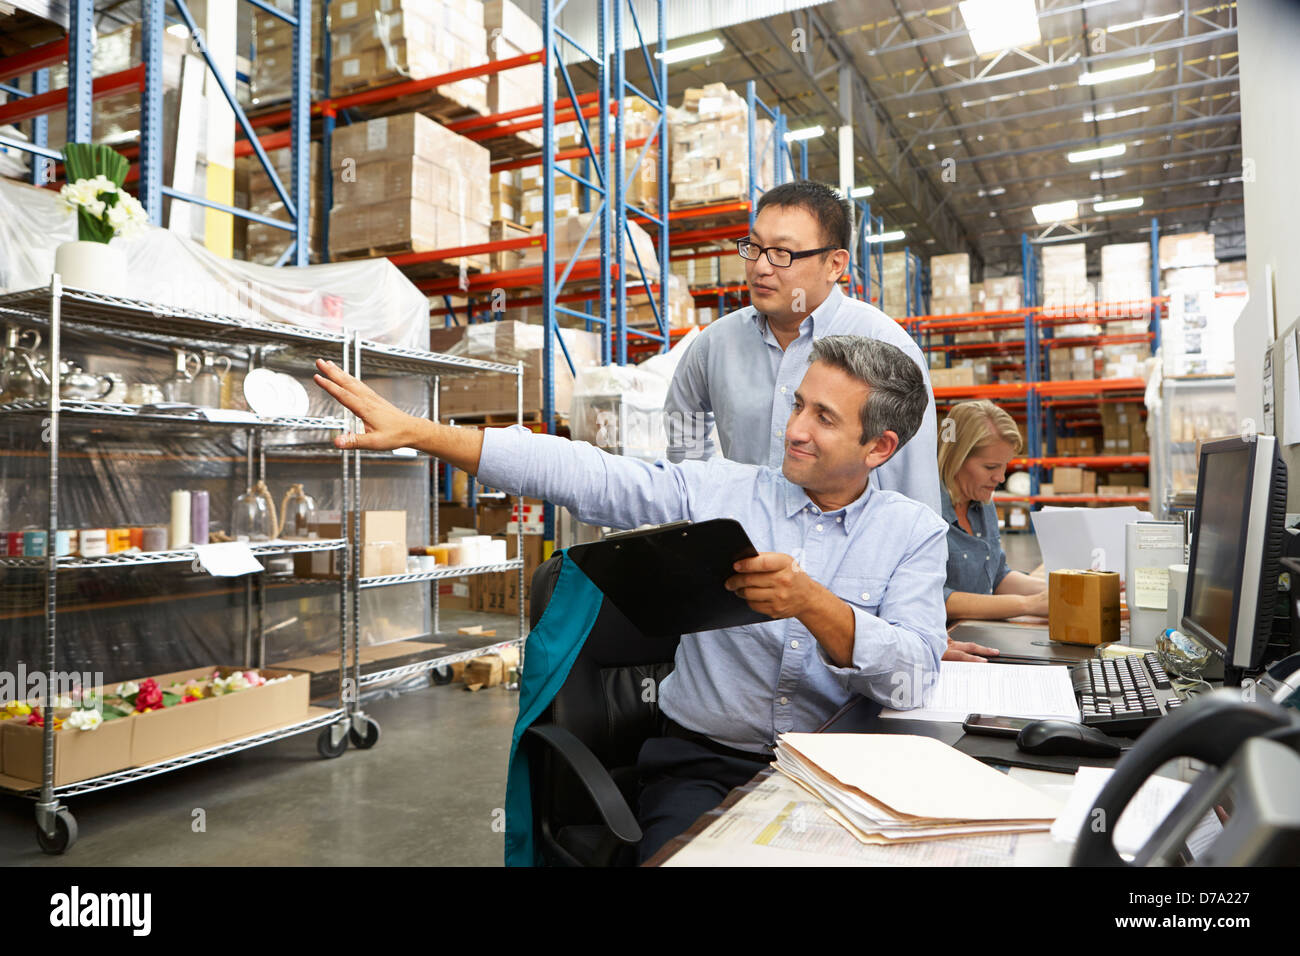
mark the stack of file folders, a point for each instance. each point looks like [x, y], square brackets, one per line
[889, 788]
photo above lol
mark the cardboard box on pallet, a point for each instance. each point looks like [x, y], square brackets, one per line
[271, 71]
[385, 41]
[709, 137]
[508, 342]
[961, 376]
[1066, 288]
[1074, 481]
[264, 244]
[950, 276]
[894, 274]
[510, 33]
[407, 182]
[568, 234]
[1003, 294]
[1181, 250]
[1125, 272]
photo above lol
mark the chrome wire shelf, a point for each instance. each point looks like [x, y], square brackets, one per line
[132, 558]
[445, 571]
[395, 358]
[199, 756]
[117, 412]
[433, 663]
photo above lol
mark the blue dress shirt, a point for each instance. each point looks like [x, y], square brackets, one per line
[735, 375]
[883, 555]
[976, 562]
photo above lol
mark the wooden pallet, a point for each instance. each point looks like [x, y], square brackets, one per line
[533, 421]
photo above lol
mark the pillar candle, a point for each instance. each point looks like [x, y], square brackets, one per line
[179, 536]
[199, 517]
[154, 539]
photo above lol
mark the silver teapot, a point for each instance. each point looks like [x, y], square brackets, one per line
[83, 386]
[21, 374]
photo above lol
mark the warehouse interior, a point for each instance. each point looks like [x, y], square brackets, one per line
[221, 585]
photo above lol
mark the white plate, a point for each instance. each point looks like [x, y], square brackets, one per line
[293, 396]
[262, 391]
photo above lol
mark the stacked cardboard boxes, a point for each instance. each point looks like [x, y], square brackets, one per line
[681, 307]
[271, 79]
[1074, 481]
[1066, 288]
[1126, 290]
[510, 33]
[1075, 363]
[950, 292]
[710, 147]
[568, 234]
[376, 42]
[1196, 335]
[1230, 278]
[407, 183]
[964, 373]
[893, 285]
[508, 342]
[1123, 429]
[264, 244]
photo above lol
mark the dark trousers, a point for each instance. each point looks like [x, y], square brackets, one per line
[682, 778]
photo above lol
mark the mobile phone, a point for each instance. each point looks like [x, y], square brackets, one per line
[991, 726]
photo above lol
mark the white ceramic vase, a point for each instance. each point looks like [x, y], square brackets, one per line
[93, 266]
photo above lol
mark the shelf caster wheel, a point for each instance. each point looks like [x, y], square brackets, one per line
[327, 746]
[366, 740]
[65, 834]
[441, 675]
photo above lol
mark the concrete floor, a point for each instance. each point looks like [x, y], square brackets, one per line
[429, 792]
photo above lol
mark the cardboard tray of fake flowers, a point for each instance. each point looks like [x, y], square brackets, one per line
[145, 721]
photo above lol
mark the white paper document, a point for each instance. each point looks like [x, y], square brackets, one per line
[1146, 811]
[1034, 691]
[1084, 538]
[227, 560]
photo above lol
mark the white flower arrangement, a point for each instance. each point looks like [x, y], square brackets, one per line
[127, 689]
[101, 199]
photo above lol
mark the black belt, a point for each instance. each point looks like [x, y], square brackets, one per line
[674, 729]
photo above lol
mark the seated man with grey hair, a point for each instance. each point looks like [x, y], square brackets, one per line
[852, 575]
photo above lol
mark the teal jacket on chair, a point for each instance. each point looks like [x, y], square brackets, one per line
[549, 653]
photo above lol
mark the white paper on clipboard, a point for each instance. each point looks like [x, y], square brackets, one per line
[1084, 538]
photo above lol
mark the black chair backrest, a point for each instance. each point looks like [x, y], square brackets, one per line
[610, 700]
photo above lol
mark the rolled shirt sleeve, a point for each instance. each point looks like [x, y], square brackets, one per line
[898, 645]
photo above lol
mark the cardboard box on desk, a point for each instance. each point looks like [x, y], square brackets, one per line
[1083, 607]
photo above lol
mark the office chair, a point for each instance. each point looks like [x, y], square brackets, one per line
[582, 750]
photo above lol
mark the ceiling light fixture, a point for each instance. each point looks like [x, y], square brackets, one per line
[886, 236]
[1056, 211]
[1114, 205]
[1112, 114]
[861, 192]
[997, 25]
[1144, 22]
[1101, 152]
[1106, 173]
[1092, 78]
[808, 132]
[691, 50]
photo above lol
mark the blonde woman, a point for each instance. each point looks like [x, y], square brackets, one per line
[976, 441]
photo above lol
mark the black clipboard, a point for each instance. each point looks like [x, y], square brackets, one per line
[672, 579]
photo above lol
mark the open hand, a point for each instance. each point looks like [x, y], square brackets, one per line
[772, 583]
[387, 426]
[968, 651]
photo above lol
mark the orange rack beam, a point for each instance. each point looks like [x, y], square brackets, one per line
[1085, 386]
[1006, 390]
[1095, 461]
[437, 255]
[583, 271]
[719, 290]
[1073, 499]
[57, 100]
[37, 58]
[577, 152]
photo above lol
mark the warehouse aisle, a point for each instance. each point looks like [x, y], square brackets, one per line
[424, 795]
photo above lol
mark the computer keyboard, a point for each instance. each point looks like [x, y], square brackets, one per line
[1122, 696]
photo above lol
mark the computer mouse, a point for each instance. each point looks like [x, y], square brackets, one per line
[1062, 738]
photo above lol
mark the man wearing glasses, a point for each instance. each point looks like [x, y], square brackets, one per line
[742, 371]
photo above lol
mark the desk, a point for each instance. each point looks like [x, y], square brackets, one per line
[784, 826]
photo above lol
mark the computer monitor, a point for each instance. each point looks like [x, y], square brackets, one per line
[1232, 572]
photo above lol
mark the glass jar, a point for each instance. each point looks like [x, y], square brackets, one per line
[297, 513]
[253, 518]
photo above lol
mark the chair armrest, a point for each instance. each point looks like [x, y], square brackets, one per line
[615, 812]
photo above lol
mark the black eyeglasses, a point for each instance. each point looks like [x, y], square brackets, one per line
[779, 257]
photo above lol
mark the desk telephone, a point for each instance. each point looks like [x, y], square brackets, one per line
[1252, 782]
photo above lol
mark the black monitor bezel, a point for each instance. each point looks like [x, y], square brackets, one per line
[1187, 624]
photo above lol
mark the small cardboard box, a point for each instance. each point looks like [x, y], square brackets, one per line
[490, 669]
[1067, 481]
[1083, 607]
[78, 754]
[180, 729]
[256, 709]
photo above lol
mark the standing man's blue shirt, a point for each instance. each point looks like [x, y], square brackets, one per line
[736, 375]
[883, 555]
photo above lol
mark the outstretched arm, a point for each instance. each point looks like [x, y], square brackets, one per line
[389, 427]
